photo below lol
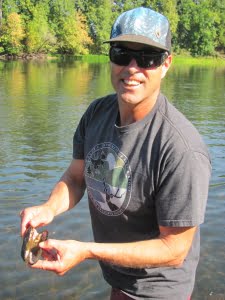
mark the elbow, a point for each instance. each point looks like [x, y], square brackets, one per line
[177, 263]
[176, 255]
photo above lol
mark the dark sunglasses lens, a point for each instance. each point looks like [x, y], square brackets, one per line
[149, 61]
[123, 57]
[119, 56]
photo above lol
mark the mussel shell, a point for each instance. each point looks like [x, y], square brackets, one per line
[30, 251]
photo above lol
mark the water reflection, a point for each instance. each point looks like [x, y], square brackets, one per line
[40, 106]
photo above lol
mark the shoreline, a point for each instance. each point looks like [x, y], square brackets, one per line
[199, 61]
[93, 58]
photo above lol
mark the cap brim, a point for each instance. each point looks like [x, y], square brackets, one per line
[137, 39]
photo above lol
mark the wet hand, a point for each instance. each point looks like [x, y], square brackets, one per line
[61, 256]
[35, 216]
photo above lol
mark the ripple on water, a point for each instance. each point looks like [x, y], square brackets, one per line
[39, 111]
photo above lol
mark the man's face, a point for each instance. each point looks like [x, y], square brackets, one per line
[133, 84]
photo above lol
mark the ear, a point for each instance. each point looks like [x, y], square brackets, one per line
[166, 66]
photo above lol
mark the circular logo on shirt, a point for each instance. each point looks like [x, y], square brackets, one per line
[108, 179]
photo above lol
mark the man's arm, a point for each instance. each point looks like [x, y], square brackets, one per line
[69, 190]
[65, 195]
[169, 249]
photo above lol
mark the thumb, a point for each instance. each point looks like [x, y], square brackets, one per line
[35, 222]
[51, 245]
[38, 221]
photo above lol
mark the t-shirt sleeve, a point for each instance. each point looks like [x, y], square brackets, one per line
[183, 190]
[78, 140]
[80, 133]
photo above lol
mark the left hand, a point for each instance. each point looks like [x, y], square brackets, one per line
[61, 256]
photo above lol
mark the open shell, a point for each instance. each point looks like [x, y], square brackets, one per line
[30, 251]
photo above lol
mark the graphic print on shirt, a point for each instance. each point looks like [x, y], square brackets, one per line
[108, 179]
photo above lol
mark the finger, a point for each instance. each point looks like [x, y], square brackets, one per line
[52, 266]
[25, 221]
[28, 218]
[62, 273]
[37, 221]
[49, 254]
[51, 244]
[41, 218]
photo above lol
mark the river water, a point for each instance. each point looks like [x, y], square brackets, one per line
[40, 105]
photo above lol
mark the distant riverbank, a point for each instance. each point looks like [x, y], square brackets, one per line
[199, 61]
[177, 59]
[91, 58]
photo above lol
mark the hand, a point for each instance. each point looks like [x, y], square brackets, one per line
[36, 216]
[61, 256]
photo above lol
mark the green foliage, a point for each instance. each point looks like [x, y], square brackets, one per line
[198, 61]
[8, 7]
[197, 27]
[12, 34]
[129, 4]
[219, 12]
[101, 17]
[169, 9]
[81, 26]
[70, 27]
[39, 38]
[72, 35]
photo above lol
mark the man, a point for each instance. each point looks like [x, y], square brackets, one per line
[146, 171]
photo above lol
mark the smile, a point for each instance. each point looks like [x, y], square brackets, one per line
[131, 82]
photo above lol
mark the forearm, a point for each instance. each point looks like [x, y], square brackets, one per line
[63, 197]
[135, 255]
[162, 251]
[66, 193]
[132, 255]
[169, 249]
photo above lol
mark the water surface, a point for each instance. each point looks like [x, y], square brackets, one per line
[40, 106]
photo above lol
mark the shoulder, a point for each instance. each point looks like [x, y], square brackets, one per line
[103, 102]
[99, 110]
[179, 130]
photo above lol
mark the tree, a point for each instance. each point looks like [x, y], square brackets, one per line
[196, 29]
[73, 36]
[100, 19]
[80, 26]
[218, 7]
[0, 13]
[128, 4]
[8, 7]
[12, 34]
[39, 37]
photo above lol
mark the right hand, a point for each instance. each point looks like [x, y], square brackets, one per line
[61, 256]
[36, 216]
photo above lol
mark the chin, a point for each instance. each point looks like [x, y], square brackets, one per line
[129, 99]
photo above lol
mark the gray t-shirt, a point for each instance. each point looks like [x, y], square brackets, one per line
[152, 172]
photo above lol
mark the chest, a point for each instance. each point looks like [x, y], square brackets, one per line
[120, 170]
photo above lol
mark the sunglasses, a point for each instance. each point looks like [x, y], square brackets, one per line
[145, 59]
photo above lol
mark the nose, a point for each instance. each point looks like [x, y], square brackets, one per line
[133, 64]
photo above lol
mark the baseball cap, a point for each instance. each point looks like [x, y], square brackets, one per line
[142, 25]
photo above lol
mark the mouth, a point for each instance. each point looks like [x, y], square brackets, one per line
[131, 82]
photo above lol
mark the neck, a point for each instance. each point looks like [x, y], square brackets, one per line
[131, 113]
